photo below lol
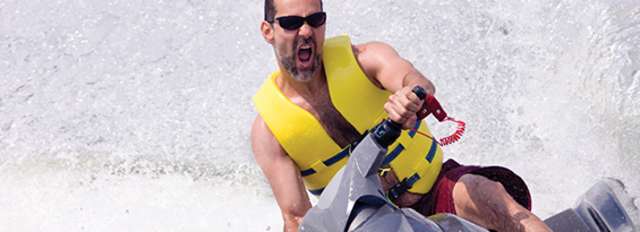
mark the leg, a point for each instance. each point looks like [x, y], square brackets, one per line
[487, 203]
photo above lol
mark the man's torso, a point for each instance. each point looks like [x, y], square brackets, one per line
[339, 129]
[321, 107]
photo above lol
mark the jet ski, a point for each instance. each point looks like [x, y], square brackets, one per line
[355, 201]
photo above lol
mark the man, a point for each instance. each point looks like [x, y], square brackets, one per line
[325, 96]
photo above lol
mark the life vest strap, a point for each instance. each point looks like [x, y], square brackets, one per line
[393, 154]
[402, 187]
[414, 130]
[316, 192]
[330, 161]
[432, 151]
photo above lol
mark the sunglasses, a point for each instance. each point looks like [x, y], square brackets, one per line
[294, 22]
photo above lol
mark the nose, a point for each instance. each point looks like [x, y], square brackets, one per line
[305, 31]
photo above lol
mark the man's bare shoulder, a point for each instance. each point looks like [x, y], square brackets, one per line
[371, 57]
[373, 49]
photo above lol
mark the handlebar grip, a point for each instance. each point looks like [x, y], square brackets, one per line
[420, 92]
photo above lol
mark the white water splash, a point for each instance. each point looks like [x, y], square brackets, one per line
[134, 115]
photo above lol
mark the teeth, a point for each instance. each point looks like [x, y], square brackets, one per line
[305, 50]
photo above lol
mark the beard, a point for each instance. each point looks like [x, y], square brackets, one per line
[289, 62]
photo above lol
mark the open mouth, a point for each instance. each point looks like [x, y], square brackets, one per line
[304, 54]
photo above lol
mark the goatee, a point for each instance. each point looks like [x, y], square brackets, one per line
[289, 64]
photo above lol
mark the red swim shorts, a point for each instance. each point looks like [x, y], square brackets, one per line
[440, 198]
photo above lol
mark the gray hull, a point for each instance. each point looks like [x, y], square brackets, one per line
[605, 207]
[354, 201]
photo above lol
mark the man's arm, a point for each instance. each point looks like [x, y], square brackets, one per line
[384, 66]
[386, 69]
[282, 174]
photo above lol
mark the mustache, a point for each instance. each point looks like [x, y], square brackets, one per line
[303, 41]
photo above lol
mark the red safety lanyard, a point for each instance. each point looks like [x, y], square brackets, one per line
[432, 106]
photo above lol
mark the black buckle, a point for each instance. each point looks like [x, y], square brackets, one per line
[398, 189]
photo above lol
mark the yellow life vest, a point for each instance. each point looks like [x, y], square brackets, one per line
[416, 158]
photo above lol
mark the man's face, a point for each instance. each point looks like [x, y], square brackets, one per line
[299, 51]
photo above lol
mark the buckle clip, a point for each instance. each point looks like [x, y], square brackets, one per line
[398, 189]
[383, 171]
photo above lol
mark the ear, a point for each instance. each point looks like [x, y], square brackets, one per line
[267, 31]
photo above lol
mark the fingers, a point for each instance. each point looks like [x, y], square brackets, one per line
[403, 106]
[413, 98]
[410, 123]
[406, 122]
[406, 102]
[409, 102]
[393, 113]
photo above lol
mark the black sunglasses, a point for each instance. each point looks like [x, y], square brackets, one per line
[294, 22]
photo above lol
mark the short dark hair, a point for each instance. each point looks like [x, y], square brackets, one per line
[270, 10]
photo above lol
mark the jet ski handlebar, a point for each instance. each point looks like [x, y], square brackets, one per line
[388, 131]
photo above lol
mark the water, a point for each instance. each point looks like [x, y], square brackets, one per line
[135, 115]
